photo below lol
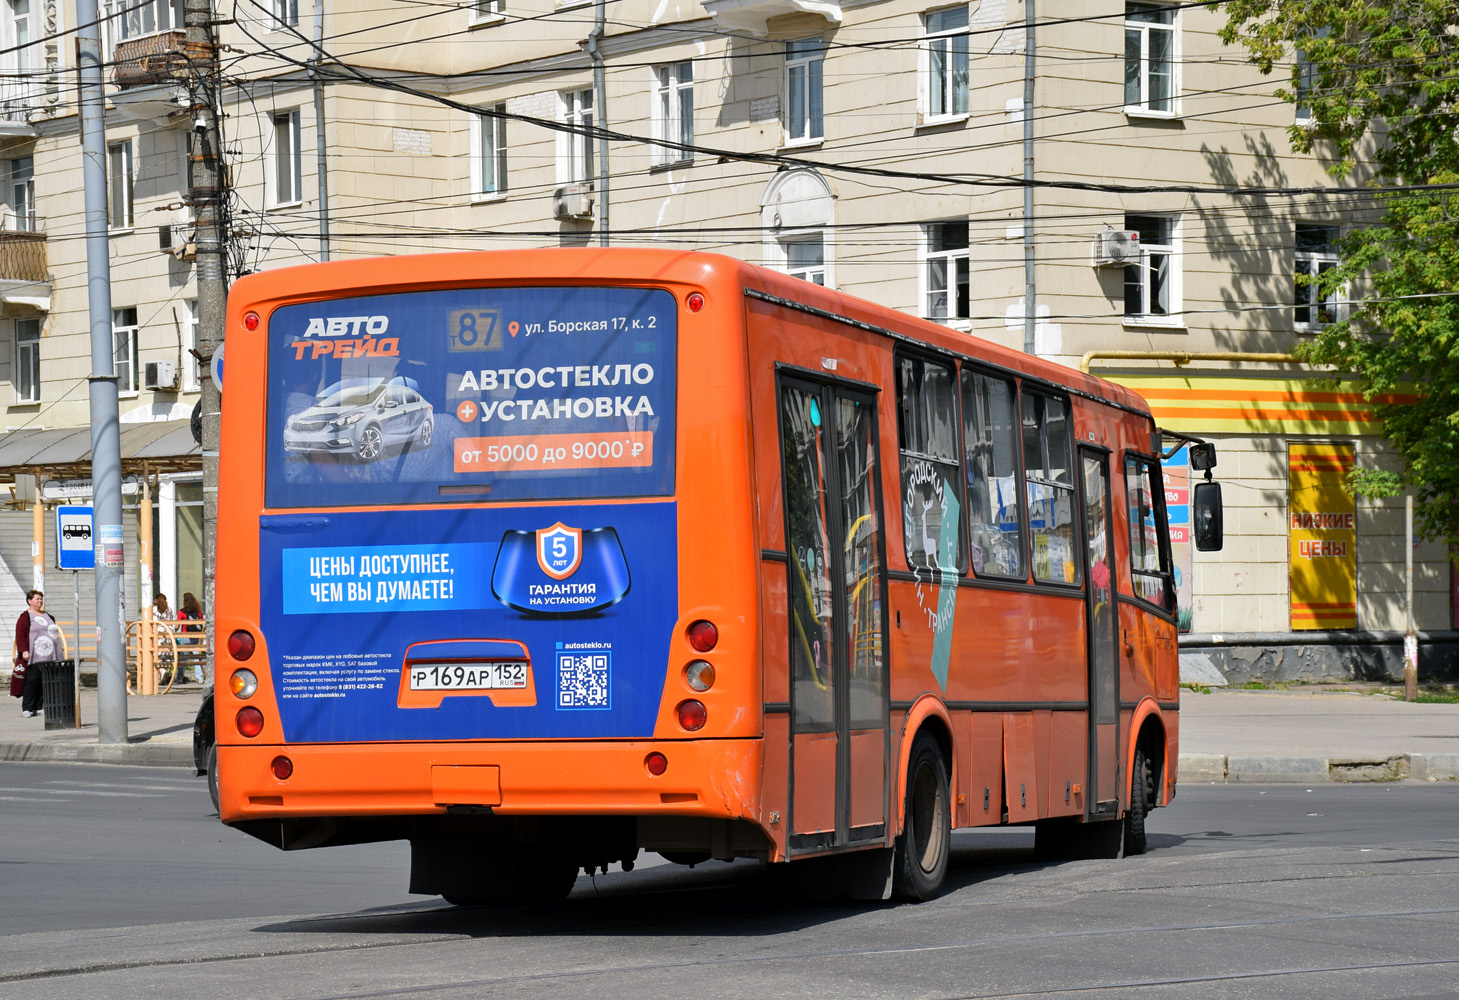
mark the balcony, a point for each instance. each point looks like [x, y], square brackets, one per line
[150, 60]
[20, 97]
[24, 276]
[774, 18]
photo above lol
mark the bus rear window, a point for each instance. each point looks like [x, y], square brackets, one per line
[490, 394]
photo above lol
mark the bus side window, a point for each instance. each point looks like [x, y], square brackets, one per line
[1048, 470]
[1149, 555]
[990, 462]
[927, 437]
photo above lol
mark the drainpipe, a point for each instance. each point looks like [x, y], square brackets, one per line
[1183, 357]
[600, 98]
[320, 168]
[1029, 287]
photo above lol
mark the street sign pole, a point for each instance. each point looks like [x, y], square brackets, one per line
[76, 654]
[75, 538]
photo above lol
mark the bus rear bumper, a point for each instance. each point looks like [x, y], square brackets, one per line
[712, 779]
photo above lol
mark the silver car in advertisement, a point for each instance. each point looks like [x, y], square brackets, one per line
[363, 417]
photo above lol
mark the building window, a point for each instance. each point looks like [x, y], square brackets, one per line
[489, 152]
[22, 195]
[674, 111]
[485, 11]
[990, 463]
[803, 110]
[189, 321]
[1149, 58]
[148, 17]
[575, 149]
[1049, 474]
[946, 271]
[927, 439]
[805, 257]
[1316, 254]
[1151, 285]
[284, 14]
[1304, 81]
[119, 185]
[124, 348]
[18, 37]
[27, 381]
[286, 163]
[947, 62]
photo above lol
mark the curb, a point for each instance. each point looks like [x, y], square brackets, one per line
[1250, 768]
[144, 754]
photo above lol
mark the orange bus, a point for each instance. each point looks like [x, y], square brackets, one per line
[538, 559]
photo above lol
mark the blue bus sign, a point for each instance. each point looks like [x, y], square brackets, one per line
[74, 530]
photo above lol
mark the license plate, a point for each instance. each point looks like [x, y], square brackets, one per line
[479, 675]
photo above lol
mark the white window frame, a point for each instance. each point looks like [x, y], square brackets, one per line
[135, 19]
[189, 320]
[283, 14]
[951, 257]
[124, 337]
[278, 159]
[1313, 262]
[120, 204]
[576, 163]
[1144, 33]
[17, 36]
[486, 12]
[941, 41]
[21, 171]
[805, 60]
[784, 244]
[27, 360]
[1154, 255]
[489, 141]
[673, 87]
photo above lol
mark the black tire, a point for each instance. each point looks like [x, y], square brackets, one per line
[213, 774]
[926, 840]
[372, 442]
[543, 881]
[1142, 793]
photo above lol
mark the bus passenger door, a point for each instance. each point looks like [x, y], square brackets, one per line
[837, 659]
[1102, 799]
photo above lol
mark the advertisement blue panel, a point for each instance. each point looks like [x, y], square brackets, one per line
[441, 624]
[494, 394]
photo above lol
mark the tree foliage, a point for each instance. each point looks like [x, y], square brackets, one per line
[1381, 81]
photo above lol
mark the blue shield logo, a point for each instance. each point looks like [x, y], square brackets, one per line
[559, 550]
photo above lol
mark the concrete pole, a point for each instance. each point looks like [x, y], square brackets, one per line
[1030, 287]
[208, 195]
[1410, 637]
[106, 442]
[600, 115]
[321, 162]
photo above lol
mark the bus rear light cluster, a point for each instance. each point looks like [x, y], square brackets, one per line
[703, 636]
[250, 321]
[243, 683]
[692, 715]
[241, 644]
[700, 675]
[250, 722]
[282, 768]
[656, 763]
[695, 302]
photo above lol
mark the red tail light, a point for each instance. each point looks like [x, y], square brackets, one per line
[250, 721]
[703, 636]
[240, 644]
[282, 768]
[656, 763]
[692, 715]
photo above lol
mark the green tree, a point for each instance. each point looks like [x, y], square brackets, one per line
[1380, 82]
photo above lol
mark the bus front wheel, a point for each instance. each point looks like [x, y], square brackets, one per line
[923, 847]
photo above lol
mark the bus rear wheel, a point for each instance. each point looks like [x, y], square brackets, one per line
[926, 840]
[1142, 793]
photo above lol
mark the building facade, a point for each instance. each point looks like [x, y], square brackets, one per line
[877, 147]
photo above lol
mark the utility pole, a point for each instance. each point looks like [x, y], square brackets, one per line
[106, 441]
[207, 192]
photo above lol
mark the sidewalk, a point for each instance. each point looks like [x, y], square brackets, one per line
[1304, 734]
[159, 732]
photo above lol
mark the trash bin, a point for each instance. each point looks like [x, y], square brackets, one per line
[58, 691]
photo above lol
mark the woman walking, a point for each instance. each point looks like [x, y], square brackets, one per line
[37, 639]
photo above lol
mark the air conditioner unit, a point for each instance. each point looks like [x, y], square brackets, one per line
[573, 201]
[159, 375]
[176, 238]
[1116, 247]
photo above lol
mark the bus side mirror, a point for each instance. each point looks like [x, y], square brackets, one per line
[1207, 517]
[1203, 456]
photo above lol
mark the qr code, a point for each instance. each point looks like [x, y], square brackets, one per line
[582, 680]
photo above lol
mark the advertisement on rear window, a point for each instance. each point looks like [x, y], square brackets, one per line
[487, 619]
[492, 394]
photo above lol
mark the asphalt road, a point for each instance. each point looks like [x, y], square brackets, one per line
[118, 882]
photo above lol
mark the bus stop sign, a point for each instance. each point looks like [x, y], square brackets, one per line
[73, 538]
